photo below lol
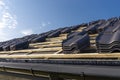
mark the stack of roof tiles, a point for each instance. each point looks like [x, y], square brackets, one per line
[77, 43]
[109, 39]
[92, 28]
[21, 43]
[14, 44]
[80, 41]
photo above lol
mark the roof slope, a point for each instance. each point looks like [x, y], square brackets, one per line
[55, 41]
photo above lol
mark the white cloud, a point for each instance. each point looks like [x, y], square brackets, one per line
[1, 25]
[44, 24]
[8, 21]
[2, 3]
[27, 32]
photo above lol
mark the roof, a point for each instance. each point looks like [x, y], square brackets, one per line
[72, 48]
[53, 41]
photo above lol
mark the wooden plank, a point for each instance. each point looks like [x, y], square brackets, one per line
[45, 43]
[92, 41]
[58, 52]
[93, 35]
[64, 56]
[56, 39]
[46, 46]
[80, 29]
[63, 35]
[92, 38]
[31, 50]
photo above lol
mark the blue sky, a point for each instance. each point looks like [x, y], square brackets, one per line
[22, 17]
